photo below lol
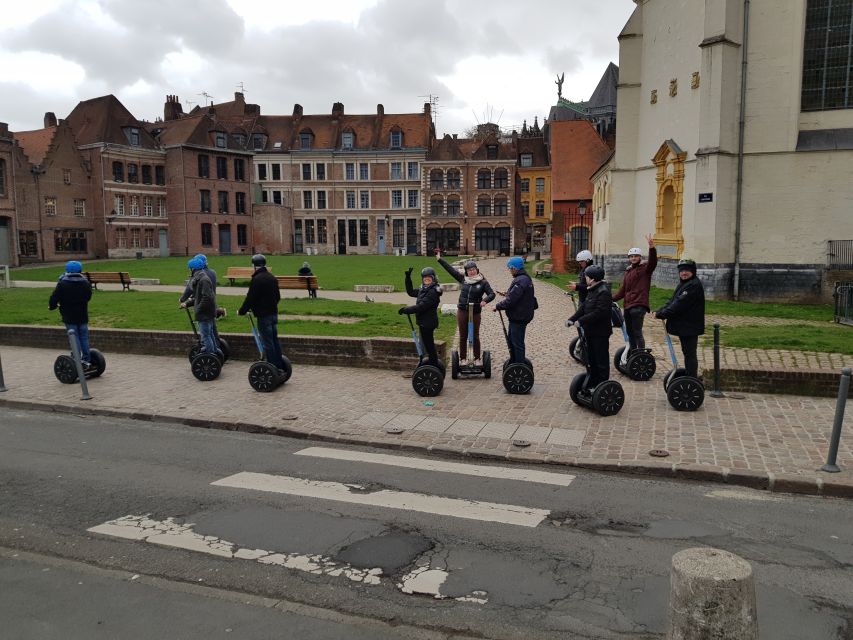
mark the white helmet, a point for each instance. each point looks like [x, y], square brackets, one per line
[635, 251]
[584, 255]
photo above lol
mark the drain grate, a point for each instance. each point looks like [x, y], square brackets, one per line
[521, 443]
[659, 453]
[393, 430]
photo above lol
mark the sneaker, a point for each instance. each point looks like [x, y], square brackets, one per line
[463, 363]
[478, 362]
[86, 365]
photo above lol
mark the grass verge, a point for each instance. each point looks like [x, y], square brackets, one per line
[833, 338]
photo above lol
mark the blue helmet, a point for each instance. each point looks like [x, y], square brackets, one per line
[203, 258]
[195, 264]
[516, 262]
[72, 266]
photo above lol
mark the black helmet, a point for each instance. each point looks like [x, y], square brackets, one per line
[429, 271]
[470, 264]
[595, 272]
[686, 264]
[259, 260]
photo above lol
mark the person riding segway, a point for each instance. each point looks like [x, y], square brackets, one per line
[206, 363]
[634, 360]
[72, 294]
[579, 288]
[474, 294]
[684, 316]
[520, 305]
[428, 378]
[594, 389]
[224, 347]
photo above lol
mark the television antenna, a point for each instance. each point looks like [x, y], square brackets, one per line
[241, 88]
[433, 106]
[207, 96]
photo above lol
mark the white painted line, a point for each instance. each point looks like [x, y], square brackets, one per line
[453, 507]
[479, 470]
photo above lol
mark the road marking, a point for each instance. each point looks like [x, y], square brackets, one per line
[454, 507]
[479, 470]
[734, 494]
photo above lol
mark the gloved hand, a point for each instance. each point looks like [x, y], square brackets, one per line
[409, 272]
[402, 310]
[570, 323]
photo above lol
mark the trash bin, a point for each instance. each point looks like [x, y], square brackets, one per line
[139, 255]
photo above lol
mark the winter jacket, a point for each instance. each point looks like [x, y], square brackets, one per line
[203, 298]
[637, 282]
[469, 293]
[72, 295]
[304, 271]
[188, 290]
[428, 299]
[685, 311]
[594, 313]
[519, 302]
[581, 287]
[263, 295]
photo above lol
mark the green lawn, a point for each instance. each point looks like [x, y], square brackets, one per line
[145, 310]
[339, 273]
[833, 338]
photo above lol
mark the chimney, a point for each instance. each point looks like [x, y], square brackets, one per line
[211, 110]
[297, 111]
[380, 110]
[239, 98]
[49, 119]
[455, 136]
[427, 108]
[172, 110]
[4, 129]
[338, 109]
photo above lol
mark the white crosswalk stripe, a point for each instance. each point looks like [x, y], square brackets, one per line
[442, 466]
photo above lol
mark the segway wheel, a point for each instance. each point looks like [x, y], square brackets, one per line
[206, 367]
[518, 378]
[193, 351]
[672, 375]
[617, 360]
[487, 364]
[454, 365]
[443, 368]
[98, 361]
[608, 398]
[685, 393]
[576, 385]
[427, 380]
[263, 377]
[287, 371]
[65, 370]
[641, 366]
[225, 348]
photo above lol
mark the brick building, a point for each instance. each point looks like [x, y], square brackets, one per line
[469, 194]
[9, 157]
[534, 190]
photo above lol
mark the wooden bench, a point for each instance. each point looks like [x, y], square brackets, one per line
[239, 273]
[546, 271]
[112, 277]
[309, 283]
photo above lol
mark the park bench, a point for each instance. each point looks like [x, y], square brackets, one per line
[113, 277]
[546, 271]
[239, 273]
[309, 283]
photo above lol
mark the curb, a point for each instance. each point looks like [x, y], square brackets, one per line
[825, 486]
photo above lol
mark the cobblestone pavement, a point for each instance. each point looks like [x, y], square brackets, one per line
[759, 440]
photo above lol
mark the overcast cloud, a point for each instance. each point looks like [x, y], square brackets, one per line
[484, 59]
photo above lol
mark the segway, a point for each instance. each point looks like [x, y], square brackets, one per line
[428, 379]
[65, 369]
[684, 392]
[606, 398]
[637, 364]
[205, 366]
[263, 375]
[470, 369]
[576, 346]
[517, 376]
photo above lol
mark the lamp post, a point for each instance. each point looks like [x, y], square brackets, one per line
[581, 214]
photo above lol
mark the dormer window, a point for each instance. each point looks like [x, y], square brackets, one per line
[306, 139]
[492, 152]
[221, 139]
[239, 140]
[526, 159]
[258, 141]
[132, 136]
[347, 140]
[396, 139]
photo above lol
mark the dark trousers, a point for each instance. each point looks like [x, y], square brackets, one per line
[428, 340]
[598, 354]
[268, 331]
[634, 326]
[462, 321]
[688, 348]
[516, 341]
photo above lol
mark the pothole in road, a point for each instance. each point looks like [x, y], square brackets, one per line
[665, 529]
[391, 551]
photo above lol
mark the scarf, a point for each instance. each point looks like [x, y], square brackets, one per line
[474, 279]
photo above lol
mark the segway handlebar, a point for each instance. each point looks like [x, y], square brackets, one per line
[471, 324]
[418, 345]
[258, 343]
[192, 322]
[669, 344]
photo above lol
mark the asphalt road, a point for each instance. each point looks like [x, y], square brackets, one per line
[114, 528]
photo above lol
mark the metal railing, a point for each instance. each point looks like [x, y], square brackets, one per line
[843, 295]
[839, 254]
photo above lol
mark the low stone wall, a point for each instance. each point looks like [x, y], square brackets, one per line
[373, 353]
[800, 382]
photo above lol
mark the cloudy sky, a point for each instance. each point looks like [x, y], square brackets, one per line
[485, 59]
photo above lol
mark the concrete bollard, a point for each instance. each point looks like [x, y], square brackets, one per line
[712, 596]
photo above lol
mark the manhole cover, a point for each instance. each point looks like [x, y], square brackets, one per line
[521, 443]
[393, 430]
[659, 453]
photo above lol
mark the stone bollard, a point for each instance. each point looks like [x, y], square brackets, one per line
[712, 597]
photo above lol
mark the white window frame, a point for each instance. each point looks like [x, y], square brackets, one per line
[147, 206]
[417, 200]
[80, 207]
[396, 198]
[413, 175]
[364, 197]
[349, 171]
[395, 171]
[366, 175]
[349, 199]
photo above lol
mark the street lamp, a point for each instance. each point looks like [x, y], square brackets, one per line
[581, 214]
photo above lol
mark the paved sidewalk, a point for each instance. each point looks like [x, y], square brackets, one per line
[763, 441]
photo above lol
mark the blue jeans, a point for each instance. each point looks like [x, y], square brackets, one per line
[516, 340]
[268, 331]
[208, 336]
[82, 331]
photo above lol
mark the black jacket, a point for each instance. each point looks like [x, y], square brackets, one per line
[594, 313]
[519, 302]
[304, 271]
[425, 309]
[203, 299]
[263, 295]
[685, 311]
[469, 293]
[72, 295]
[581, 287]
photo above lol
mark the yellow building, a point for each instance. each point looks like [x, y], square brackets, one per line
[534, 179]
